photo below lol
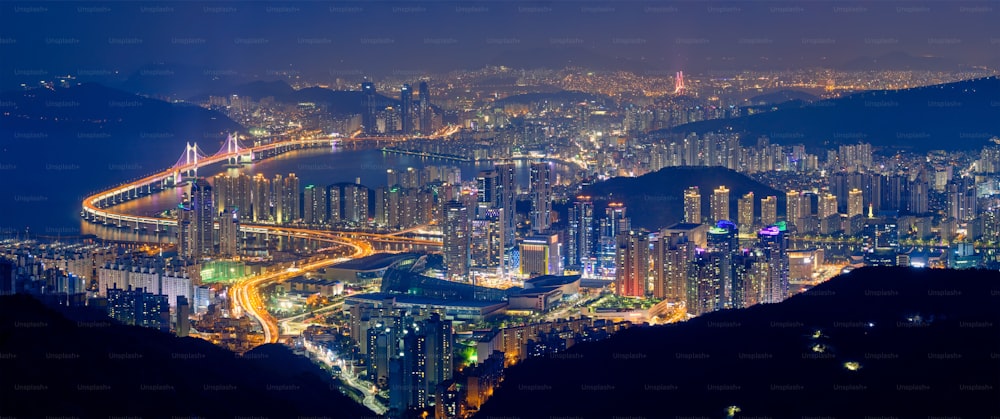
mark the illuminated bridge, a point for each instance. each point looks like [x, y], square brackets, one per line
[99, 207]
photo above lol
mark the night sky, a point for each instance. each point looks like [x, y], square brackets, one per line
[261, 39]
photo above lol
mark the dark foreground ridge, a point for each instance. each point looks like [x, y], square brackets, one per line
[93, 367]
[926, 344]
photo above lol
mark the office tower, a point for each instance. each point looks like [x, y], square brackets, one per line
[540, 255]
[541, 196]
[855, 203]
[769, 210]
[368, 107]
[632, 263]
[203, 220]
[671, 253]
[771, 252]
[720, 204]
[456, 244]
[229, 232]
[745, 209]
[185, 229]
[692, 205]
[261, 198]
[507, 194]
[827, 206]
[183, 316]
[425, 109]
[406, 109]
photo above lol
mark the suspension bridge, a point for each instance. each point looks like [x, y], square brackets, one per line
[100, 207]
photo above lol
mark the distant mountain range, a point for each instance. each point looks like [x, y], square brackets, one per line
[782, 96]
[656, 200]
[81, 364]
[878, 342]
[953, 116]
[92, 109]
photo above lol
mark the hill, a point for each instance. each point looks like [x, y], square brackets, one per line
[925, 344]
[91, 366]
[656, 200]
[93, 108]
[962, 115]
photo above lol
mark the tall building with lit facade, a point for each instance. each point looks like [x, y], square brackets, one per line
[406, 109]
[541, 196]
[771, 252]
[855, 203]
[368, 108]
[692, 205]
[614, 223]
[540, 254]
[261, 199]
[203, 219]
[582, 229]
[234, 189]
[671, 253]
[229, 233]
[355, 203]
[704, 288]
[632, 263]
[720, 204]
[425, 109]
[314, 205]
[745, 208]
[291, 200]
[827, 205]
[723, 242]
[456, 244]
[486, 237]
[769, 210]
[278, 199]
[795, 207]
[507, 195]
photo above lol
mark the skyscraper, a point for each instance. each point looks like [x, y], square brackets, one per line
[229, 231]
[456, 244]
[355, 198]
[584, 212]
[671, 253]
[692, 205]
[425, 109]
[632, 263]
[506, 194]
[185, 229]
[368, 117]
[827, 205]
[704, 282]
[720, 204]
[855, 203]
[745, 209]
[406, 109]
[261, 197]
[541, 196]
[769, 210]
[771, 252]
[203, 220]
[290, 200]
[314, 205]
[795, 206]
